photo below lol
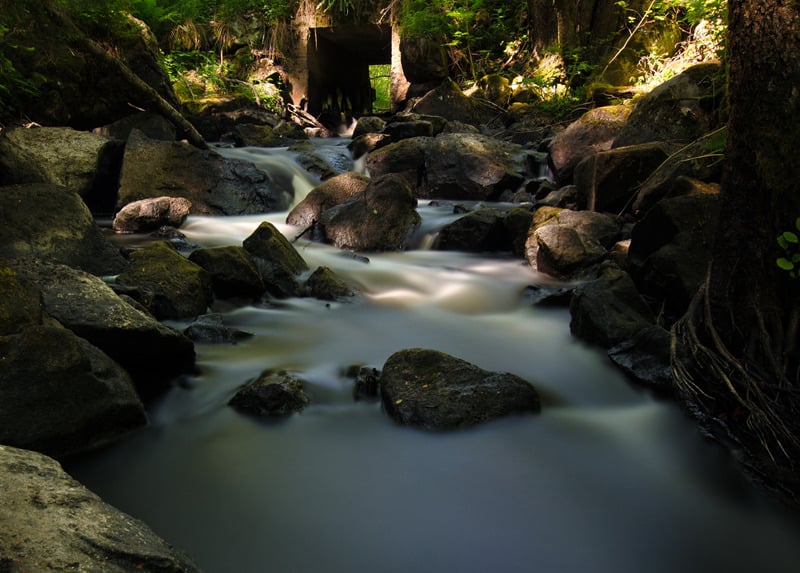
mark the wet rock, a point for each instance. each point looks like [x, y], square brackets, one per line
[367, 382]
[252, 135]
[324, 284]
[545, 295]
[50, 522]
[646, 358]
[324, 161]
[478, 231]
[60, 395]
[213, 184]
[233, 272]
[329, 193]
[44, 221]
[79, 161]
[210, 328]
[608, 310]
[405, 129]
[407, 158]
[172, 286]
[271, 394]
[472, 166]
[277, 261]
[151, 214]
[593, 132]
[368, 142]
[150, 123]
[563, 252]
[151, 352]
[670, 250]
[610, 179]
[436, 391]
[380, 218]
[679, 110]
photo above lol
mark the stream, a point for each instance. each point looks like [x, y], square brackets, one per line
[607, 479]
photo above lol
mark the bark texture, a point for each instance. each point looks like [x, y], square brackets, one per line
[735, 354]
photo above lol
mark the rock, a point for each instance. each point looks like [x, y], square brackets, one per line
[213, 184]
[608, 310]
[566, 244]
[695, 168]
[210, 328]
[610, 179]
[79, 161]
[151, 214]
[50, 522]
[368, 124]
[670, 250]
[366, 384]
[566, 197]
[472, 166]
[565, 253]
[544, 295]
[448, 101]
[151, 352]
[42, 220]
[173, 287]
[20, 302]
[271, 394]
[252, 135]
[593, 132]
[680, 110]
[329, 193]
[436, 391]
[368, 142]
[496, 89]
[407, 158]
[233, 272]
[478, 231]
[277, 261]
[324, 284]
[646, 358]
[324, 161]
[380, 218]
[149, 123]
[60, 395]
[405, 129]
[423, 58]
[517, 222]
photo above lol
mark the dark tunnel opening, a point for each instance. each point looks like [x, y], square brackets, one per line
[339, 60]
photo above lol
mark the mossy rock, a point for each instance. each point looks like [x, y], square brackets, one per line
[169, 285]
[278, 262]
[20, 303]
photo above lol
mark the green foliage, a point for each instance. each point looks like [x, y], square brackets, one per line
[380, 77]
[789, 243]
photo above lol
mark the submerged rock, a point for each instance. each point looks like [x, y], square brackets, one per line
[436, 391]
[271, 394]
[50, 522]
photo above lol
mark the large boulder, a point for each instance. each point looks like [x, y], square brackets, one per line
[593, 132]
[20, 301]
[608, 310]
[610, 179]
[278, 262]
[151, 214]
[329, 193]
[168, 284]
[670, 250]
[679, 110]
[436, 391]
[448, 101]
[271, 394]
[213, 184]
[60, 395]
[79, 161]
[50, 522]
[695, 168]
[472, 166]
[150, 351]
[42, 220]
[407, 157]
[380, 218]
[483, 230]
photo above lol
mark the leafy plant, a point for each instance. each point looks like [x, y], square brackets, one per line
[789, 242]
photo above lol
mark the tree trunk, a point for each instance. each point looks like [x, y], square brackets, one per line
[735, 353]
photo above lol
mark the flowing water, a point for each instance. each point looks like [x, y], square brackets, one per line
[606, 479]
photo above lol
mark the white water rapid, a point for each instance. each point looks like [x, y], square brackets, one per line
[606, 480]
